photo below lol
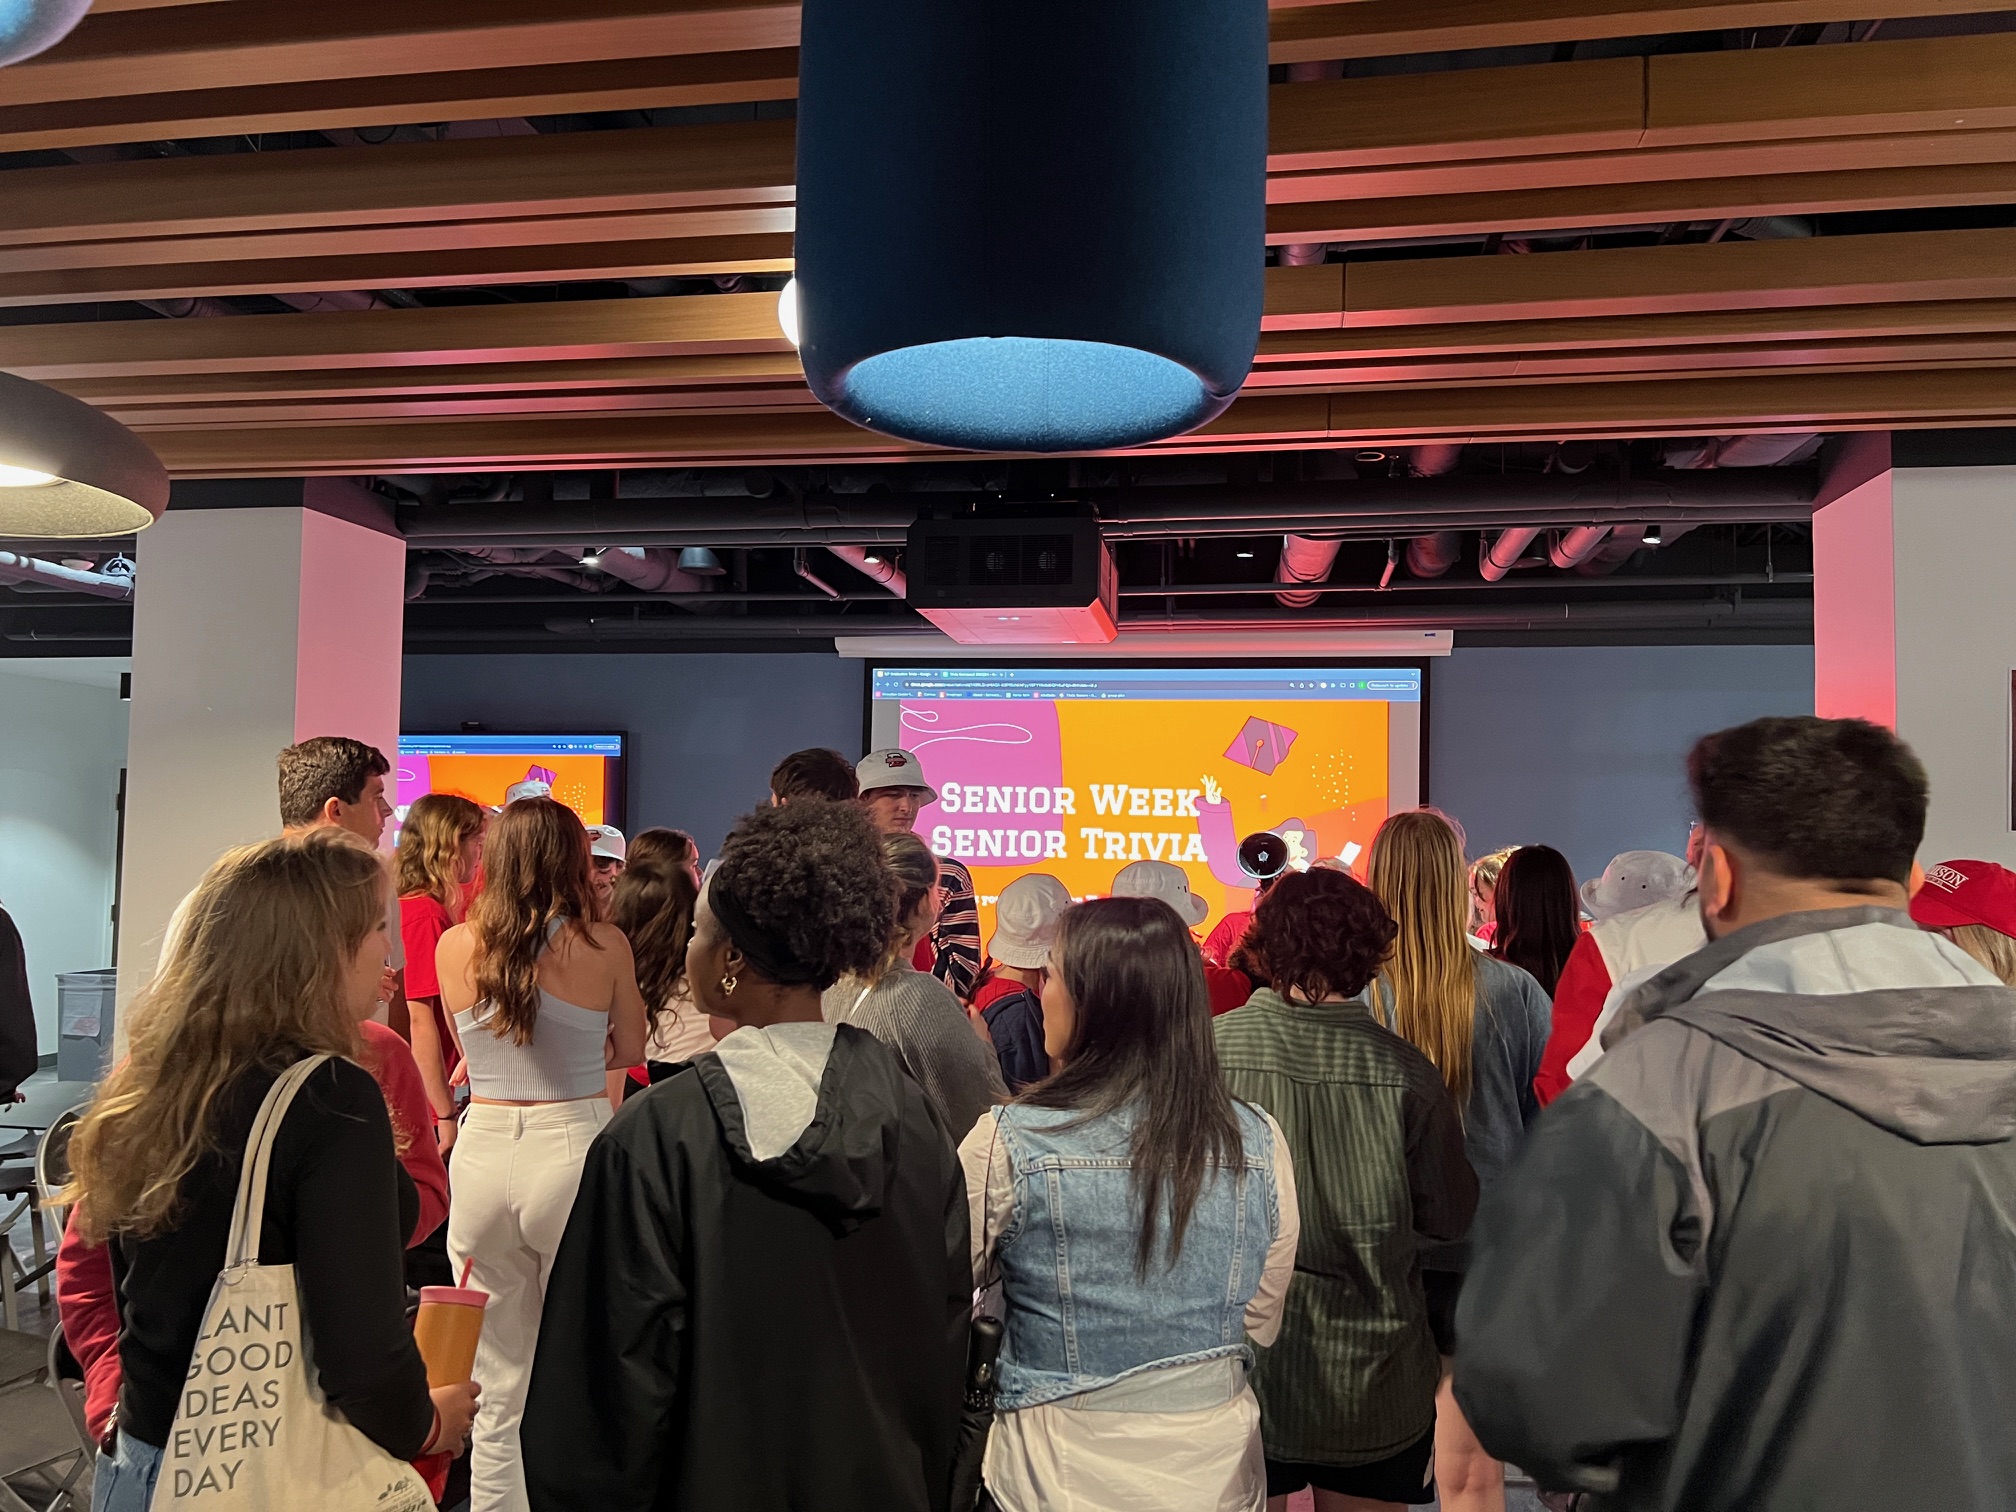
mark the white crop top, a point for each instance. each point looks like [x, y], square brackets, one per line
[565, 1059]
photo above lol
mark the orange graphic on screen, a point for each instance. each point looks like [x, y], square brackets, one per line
[580, 782]
[1081, 787]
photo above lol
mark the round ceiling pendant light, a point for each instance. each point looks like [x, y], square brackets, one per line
[28, 27]
[67, 471]
[1030, 225]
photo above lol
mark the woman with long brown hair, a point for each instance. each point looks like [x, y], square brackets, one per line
[1123, 1368]
[911, 1011]
[545, 1001]
[440, 852]
[281, 956]
[653, 905]
[1483, 1023]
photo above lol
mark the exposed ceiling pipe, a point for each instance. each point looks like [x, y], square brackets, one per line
[1436, 460]
[1625, 542]
[1747, 613]
[1429, 556]
[875, 565]
[1578, 545]
[1772, 449]
[200, 306]
[651, 568]
[1304, 559]
[1352, 508]
[15, 568]
[1503, 554]
[1307, 254]
[335, 299]
[418, 575]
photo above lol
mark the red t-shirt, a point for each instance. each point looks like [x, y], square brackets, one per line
[1229, 989]
[422, 922]
[1219, 944]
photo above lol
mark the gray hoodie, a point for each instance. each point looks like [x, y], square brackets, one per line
[1762, 1256]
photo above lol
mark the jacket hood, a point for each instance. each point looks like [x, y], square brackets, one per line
[811, 1112]
[1862, 1007]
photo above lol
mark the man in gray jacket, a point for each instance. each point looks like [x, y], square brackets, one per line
[1764, 1255]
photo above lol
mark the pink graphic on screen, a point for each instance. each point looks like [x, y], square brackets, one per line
[993, 742]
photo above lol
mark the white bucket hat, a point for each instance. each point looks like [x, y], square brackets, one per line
[890, 767]
[606, 840]
[530, 787]
[1637, 879]
[1158, 879]
[1025, 921]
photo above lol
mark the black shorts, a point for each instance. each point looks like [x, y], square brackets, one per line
[1407, 1477]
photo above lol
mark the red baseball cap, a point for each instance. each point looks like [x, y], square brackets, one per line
[1967, 892]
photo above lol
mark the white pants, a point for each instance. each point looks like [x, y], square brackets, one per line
[516, 1172]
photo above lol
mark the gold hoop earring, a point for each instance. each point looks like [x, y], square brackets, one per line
[728, 985]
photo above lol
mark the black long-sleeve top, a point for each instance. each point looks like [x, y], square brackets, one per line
[338, 1208]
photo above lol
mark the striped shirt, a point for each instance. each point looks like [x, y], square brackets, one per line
[956, 937]
[1380, 1170]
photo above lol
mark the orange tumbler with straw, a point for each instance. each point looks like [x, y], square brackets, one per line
[448, 1328]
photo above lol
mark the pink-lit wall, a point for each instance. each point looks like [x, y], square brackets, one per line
[1855, 605]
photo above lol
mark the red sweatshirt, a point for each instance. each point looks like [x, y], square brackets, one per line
[84, 1296]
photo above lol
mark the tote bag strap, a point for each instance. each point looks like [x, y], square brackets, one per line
[248, 1214]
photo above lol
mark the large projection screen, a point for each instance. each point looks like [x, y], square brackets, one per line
[1077, 771]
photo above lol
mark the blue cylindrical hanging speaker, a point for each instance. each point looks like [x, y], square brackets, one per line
[1031, 225]
[28, 27]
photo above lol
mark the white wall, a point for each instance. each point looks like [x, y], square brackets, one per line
[62, 743]
[1955, 551]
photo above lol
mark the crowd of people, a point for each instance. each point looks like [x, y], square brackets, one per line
[784, 1192]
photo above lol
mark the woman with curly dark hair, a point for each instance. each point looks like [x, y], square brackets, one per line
[1347, 1396]
[761, 1301]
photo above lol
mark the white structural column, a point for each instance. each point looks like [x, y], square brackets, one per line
[253, 627]
[1914, 620]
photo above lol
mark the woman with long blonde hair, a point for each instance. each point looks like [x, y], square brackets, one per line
[280, 958]
[911, 1011]
[546, 1003]
[1483, 1023]
[440, 852]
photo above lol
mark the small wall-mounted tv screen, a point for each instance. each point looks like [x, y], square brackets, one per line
[585, 772]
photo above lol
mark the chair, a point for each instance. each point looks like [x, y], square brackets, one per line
[45, 1459]
[31, 1186]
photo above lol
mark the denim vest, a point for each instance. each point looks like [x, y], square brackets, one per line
[1078, 1316]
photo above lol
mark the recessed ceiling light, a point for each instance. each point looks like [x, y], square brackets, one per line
[1244, 556]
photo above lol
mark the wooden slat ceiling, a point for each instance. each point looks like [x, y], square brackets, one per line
[1837, 331]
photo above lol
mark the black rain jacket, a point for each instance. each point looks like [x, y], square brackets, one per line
[723, 1334]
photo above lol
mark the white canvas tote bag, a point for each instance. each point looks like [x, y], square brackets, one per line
[252, 1433]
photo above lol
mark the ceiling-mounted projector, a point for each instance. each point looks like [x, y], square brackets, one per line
[1023, 580]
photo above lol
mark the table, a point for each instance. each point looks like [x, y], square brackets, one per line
[43, 1104]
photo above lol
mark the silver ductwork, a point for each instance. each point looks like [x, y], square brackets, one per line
[1430, 556]
[1304, 559]
[1504, 552]
[876, 566]
[117, 584]
[653, 569]
[1576, 546]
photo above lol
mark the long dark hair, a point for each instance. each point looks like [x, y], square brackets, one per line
[535, 870]
[1537, 911]
[653, 905]
[1143, 1040]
